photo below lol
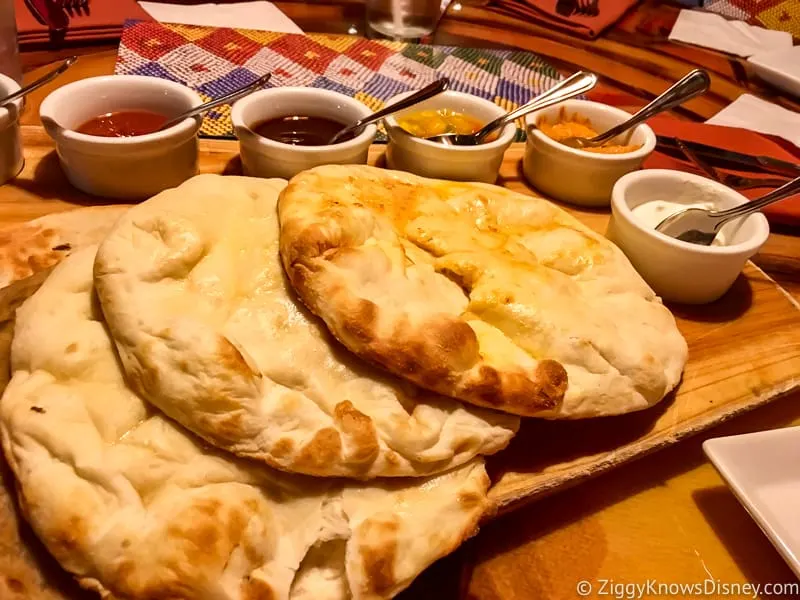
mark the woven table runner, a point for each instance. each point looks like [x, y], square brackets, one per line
[780, 15]
[214, 61]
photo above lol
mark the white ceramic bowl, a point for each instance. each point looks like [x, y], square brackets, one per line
[680, 271]
[126, 167]
[459, 163]
[263, 157]
[11, 160]
[577, 176]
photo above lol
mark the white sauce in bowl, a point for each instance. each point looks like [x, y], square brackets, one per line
[653, 212]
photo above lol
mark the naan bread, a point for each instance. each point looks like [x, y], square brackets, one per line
[209, 331]
[471, 290]
[138, 509]
[28, 248]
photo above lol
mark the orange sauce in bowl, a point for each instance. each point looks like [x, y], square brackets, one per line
[577, 126]
[126, 123]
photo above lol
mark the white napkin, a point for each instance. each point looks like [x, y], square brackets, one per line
[755, 114]
[258, 14]
[711, 30]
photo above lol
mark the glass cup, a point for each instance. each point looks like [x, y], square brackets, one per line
[403, 19]
[9, 50]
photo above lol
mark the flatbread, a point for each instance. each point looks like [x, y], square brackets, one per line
[137, 508]
[35, 246]
[474, 291]
[209, 331]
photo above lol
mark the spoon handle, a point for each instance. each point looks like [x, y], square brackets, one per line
[575, 84]
[227, 98]
[47, 78]
[693, 84]
[788, 189]
[430, 90]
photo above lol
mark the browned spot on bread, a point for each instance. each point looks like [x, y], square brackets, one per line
[202, 536]
[15, 585]
[378, 557]
[38, 409]
[360, 322]
[126, 543]
[282, 448]
[27, 249]
[552, 377]
[518, 393]
[237, 521]
[257, 589]
[230, 358]
[487, 386]
[360, 430]
[227, 426]
[392, 458]
[471, 500]
[324, 449]
[123, 572]
[73, 347]
[66, 537]
[209, 507]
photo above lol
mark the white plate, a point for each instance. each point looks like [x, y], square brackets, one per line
[781, 68]
[763, 470]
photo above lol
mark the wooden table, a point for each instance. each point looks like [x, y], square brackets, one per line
[667, 517]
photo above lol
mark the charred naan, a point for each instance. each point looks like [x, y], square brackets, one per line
[28, 248]
[136, 508]
[210, 332]
[477, 292]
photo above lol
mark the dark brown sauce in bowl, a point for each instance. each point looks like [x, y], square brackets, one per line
[125, 123]
[299, 130]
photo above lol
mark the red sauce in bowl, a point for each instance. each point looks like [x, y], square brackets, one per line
[125, 123]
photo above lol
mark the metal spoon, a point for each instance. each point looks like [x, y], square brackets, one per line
[429, 91]
[227, 98]
[701, 226]
[40, 82]
[693, 84]
[576, 84]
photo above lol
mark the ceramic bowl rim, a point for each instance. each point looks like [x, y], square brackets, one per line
[505, 137]
[53, 100]
[367, 135]
[620, 207]
[640, 153]
[12, 86]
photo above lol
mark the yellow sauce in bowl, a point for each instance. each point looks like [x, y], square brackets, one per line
[577, 126]
[426, 123]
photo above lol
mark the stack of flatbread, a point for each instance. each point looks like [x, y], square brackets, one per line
[253, 391]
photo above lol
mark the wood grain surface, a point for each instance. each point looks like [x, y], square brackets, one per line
[722, 378]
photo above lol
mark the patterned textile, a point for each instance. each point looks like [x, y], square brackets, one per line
[215, 61]
[780, 15]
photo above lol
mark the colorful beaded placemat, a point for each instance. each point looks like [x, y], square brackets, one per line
[215, 61]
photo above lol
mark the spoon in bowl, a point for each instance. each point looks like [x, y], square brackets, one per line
[691, 85]
[226, 99]
[701, 226]
[576, 84]
[47, 78]
[429, 91]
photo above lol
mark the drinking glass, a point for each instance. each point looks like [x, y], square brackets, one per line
[403, 19]
[9, 50]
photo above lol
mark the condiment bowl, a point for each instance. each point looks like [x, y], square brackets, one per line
[407, 152]
[127, 168]
[681, 271]
[264, 157]
[579, 176]
[11, 160]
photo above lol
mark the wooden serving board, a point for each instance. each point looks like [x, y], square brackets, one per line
[744, 351]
